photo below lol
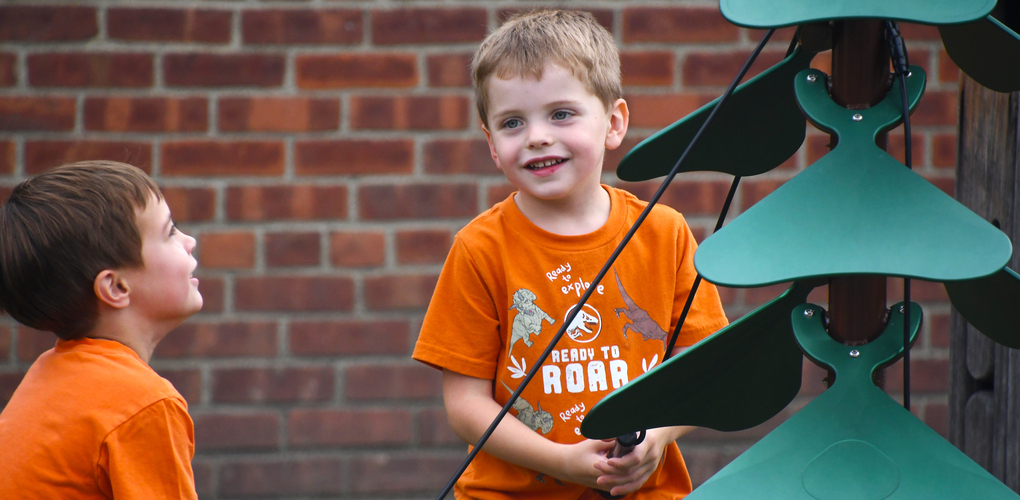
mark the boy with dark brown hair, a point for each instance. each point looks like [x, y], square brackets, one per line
[89, 252]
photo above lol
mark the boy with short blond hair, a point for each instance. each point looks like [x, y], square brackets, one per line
[89, 252]
[549, 96]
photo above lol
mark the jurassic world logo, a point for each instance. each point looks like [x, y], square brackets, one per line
[586, 325]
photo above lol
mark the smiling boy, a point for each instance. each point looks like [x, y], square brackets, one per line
[89, 251]
[548, 93]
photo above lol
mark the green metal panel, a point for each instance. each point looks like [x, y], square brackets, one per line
[737, 378]
[855, 211]
[779, 13]
[853, 441]
[761, 116]
[991, 304]
[987, 50]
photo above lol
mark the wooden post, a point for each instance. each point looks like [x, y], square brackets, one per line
[984, 394]
[860, 79]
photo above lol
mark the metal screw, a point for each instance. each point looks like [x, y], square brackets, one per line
[910, 74]
[902, 309]
[811, 78]
[809, 312]
[854, 353]
[857, 117]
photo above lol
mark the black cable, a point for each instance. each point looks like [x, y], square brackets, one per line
[605, 268]
[901, 68]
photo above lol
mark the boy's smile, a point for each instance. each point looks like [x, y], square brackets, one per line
[549, 137]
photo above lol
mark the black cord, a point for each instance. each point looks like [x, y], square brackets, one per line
[901, 68]
[605, 268]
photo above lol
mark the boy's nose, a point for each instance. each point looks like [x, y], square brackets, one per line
[539, 136]
[189, 242]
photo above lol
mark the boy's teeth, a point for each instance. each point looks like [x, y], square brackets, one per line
[543, 164]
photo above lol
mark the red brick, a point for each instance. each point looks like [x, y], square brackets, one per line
[146, 114]
[349, 338]
[190, 204]
[208, 158]
[719, 69]
[602, 16]
[755, 297]
[920, 57]
[382, 382]
[458, 156]
[344, 428]
[32, 342]
[6, 342]
[936, 415]
[223, 70]
[304, 476]
[231, 250]
[187, 382]
[203, 478]
[920, 291]
[409, 112]
[357, 249]
[752, 192]
[419, 26]
[926, 376]
[687, 197]
[449, 70]
[47, 23]
[301, 27]
[269, 385]
[43, 155]
[291, 202]
[677, 24]
[169, 25]
[947, 185]
[224, 431]
[278, 114]
[292, 249]
[497, 193]
[915, 32]
[7, 157]
[212, 289]
[936, 108]
[91, 69]
[949, 72]
[399, 292]
[219, 340]
[940, 326]
[943, 150]
[8, 70]
[781, 34]
[352, 157]
[434, 430]
[613, 156]
[36, 113]
[423, 247]
[390, 474]
[818, 145]
[294, 294]
[5, 192]
[896, 148]
[418, 201]
[647, 68]
[658, 111]
[315, 72]
[8, 383]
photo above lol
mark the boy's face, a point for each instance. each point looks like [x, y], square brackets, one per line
[164, 289]
[549, 136]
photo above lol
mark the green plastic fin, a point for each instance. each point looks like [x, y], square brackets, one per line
[761, 116]
[737, 378]
[779, 13]
[853, 442]
[987, 50]
[990, 305]
[855, 211]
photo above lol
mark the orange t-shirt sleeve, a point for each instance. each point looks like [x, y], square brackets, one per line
[149, 456]
[706, 315]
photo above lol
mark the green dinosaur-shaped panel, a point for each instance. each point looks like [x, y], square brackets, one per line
[991, 304]
[737, 378]
[855, 211]
[853, 441]
[761, 116]
[987, 50]
[779, 13]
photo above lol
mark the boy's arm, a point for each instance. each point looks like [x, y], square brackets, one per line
[626, 474]
[470, 409]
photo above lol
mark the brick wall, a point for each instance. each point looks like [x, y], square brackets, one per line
[323, 154]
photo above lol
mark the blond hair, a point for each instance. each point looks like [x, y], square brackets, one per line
[526, 42]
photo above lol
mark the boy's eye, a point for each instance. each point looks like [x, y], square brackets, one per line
[512, 123]
[561, 115]
[173, 229]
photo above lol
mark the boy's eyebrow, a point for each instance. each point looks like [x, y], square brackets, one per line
[555, 104]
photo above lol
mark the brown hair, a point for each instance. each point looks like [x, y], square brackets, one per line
[526, 42]
[58, 231]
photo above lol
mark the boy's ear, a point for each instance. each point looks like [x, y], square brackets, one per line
[111, 289]
[619, 119]
[492, 148]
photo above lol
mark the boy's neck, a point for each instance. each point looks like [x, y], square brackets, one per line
[128, 329]
[569, 217]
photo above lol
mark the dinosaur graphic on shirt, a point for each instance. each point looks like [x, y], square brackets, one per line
[535, 419]
[640, 321]
[528, 319]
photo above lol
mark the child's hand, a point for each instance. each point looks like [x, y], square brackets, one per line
[626, 474]
[580, 461]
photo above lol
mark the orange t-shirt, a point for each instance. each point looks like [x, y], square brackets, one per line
[506, 289]
[91, 420]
